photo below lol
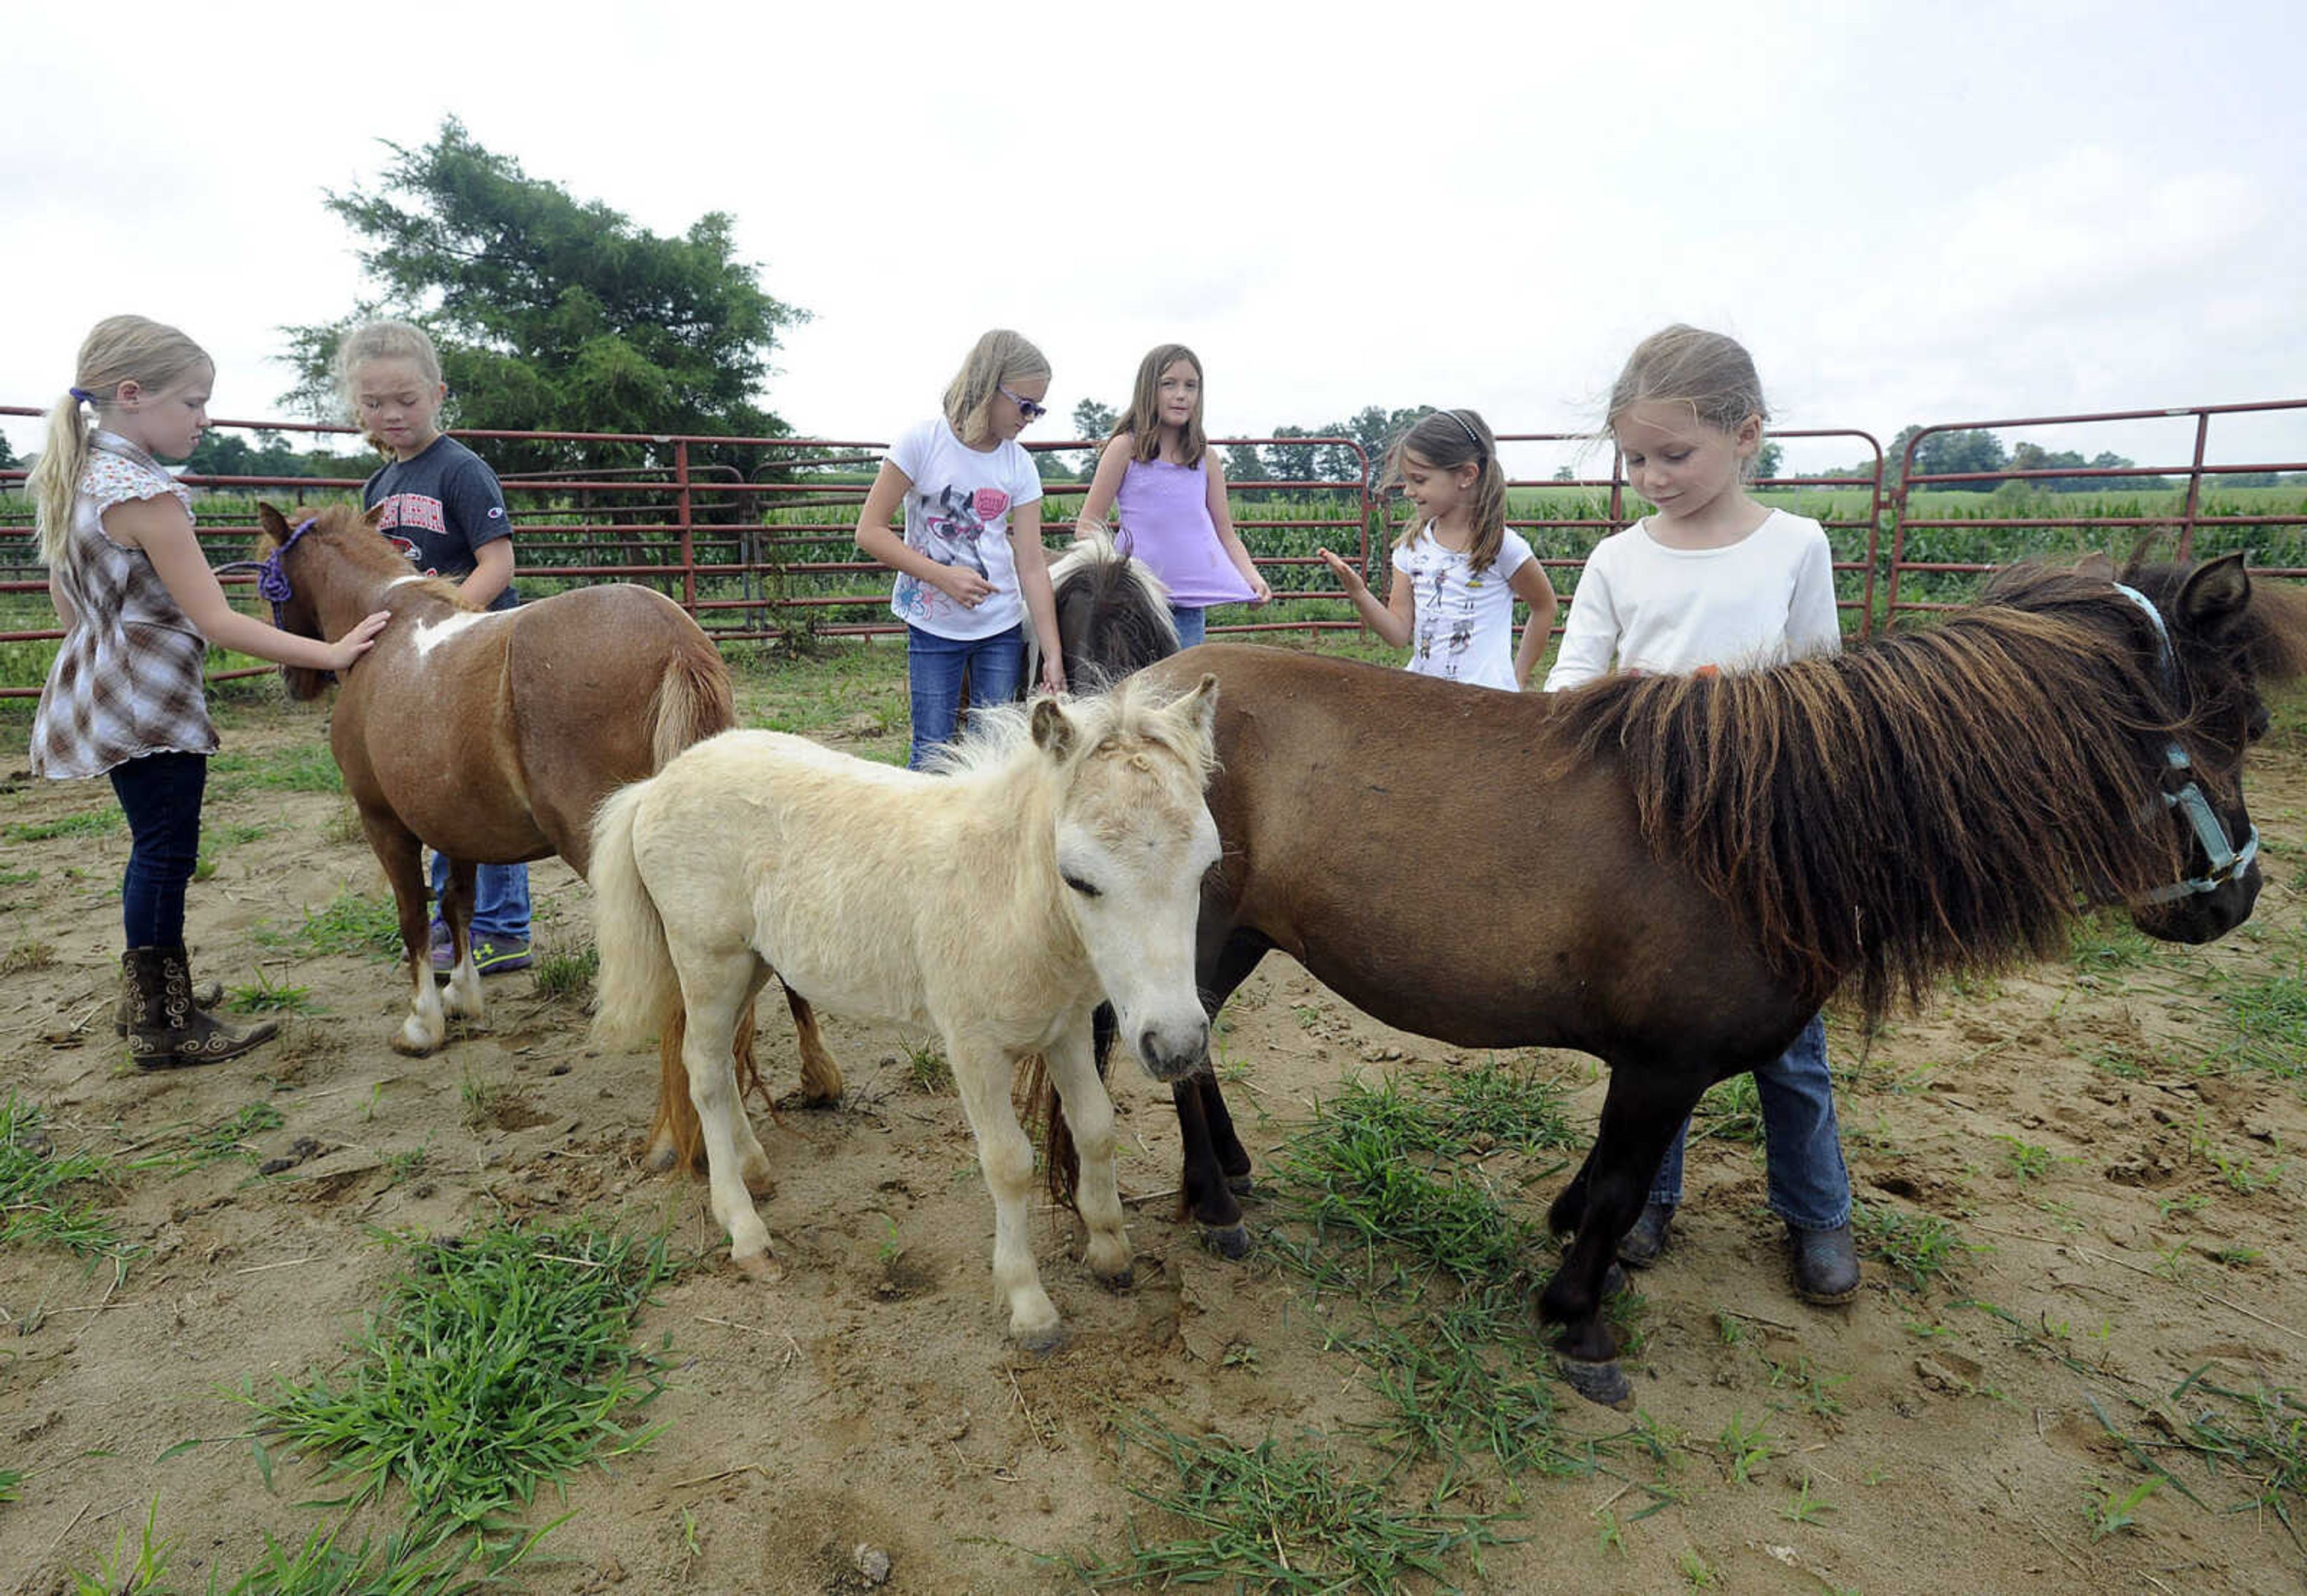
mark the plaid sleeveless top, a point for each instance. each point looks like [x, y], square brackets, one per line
[126, 679]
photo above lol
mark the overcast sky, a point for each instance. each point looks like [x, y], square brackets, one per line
[1909, 213]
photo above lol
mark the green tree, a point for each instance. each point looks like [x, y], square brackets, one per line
[553, 314]
[7, 455]
[1768, 458]
[1091, 419]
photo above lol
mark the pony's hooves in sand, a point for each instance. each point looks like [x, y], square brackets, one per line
[1241, 1185]
[413, 1047]
[1615, 1281]
[1120, 1280]
[762, 1267]
[1048, 1339]
[760, 1182]
[1603, 1383]
[658, 1161]
[1227, 1241]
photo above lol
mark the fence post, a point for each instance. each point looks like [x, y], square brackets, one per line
[688, 527]
[2194, 486]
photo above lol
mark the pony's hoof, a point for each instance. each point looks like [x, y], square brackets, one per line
[1048, 1339]
[1615, 1281]
[1241, 1185]
[760, 1178]
[659, 1160]
[1117, 1280]
[1603, 1383]
[1229, 1241]
[760, 1266]
[414, 1044]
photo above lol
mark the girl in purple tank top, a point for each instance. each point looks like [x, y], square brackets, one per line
[1161, 474]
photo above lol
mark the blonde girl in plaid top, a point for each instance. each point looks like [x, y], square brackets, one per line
[139, 605]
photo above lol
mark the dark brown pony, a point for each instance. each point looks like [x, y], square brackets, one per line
[492, 737]
[1674, 873]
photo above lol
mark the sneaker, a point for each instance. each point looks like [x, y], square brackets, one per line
[501, 956]
[444, 947]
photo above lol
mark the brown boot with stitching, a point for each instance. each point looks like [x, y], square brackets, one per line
[206, 994]
[167, 1030]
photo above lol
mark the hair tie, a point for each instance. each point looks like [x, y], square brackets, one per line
[82, 395]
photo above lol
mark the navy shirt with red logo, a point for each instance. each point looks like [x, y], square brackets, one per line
[440, 507]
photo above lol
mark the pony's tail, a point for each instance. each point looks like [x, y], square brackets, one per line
[636, 991]
[693, 701]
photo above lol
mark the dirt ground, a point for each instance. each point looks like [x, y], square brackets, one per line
[868, 1399]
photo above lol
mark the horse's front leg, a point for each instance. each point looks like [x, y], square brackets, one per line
[1638, 1118]
[402, 856]
[457, 900]
[982, 1076]
[1089, 1111]
[716, 986]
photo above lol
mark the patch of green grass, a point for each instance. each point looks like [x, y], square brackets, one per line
[301, 768]
[1271, 1519]
[225, 1138]
[449, 1565]
[44, 1196]
[2269, 1019]
[94, 822]
[267, 996]
[1920, 1246]
[568, 975]
[347, 924]
[235, 835]
[26, 956]
[2107, 940]
[499, 1363]
[925, 1064]
[18, 878]
[1730, 1112]
[11, 1483]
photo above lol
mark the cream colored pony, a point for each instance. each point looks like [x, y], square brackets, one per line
[1052, 860]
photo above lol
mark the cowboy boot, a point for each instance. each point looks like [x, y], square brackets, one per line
[206, 994]
[1825, 1265]
[168, 1030]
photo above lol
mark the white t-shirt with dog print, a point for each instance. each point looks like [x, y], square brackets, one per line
[957, 513]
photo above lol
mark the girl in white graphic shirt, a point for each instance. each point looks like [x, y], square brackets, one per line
[1457, 566]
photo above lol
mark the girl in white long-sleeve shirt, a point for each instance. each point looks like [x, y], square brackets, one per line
[1713, 580]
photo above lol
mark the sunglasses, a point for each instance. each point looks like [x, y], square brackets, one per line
[1025, 407]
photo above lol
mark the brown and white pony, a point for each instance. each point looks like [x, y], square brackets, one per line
[1053, 859]
[490, 736]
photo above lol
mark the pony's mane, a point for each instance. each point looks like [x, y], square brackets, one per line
[1001, 736]
[346, 525]
[1905, 809]
[1113, 612]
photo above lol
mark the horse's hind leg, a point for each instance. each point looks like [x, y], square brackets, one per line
[715, 987]
[402, 856]
[1215, 1166]
[821, 1075]
[1097, 1198]
[982, 1075]
[677, 1139]
[463, 997]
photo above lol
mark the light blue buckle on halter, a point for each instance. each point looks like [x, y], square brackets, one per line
[2226, 861]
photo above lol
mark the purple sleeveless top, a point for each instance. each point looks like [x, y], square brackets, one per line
[1165, 520]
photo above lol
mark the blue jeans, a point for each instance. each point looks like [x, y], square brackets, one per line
[499, 899]
[1193, 625]
[1802, 1145]
[934, 667]
[160, 793]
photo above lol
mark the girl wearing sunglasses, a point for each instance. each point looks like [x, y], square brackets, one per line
[970, 569]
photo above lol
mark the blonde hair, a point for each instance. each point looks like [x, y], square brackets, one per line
[118, 349]
[1710, 371]
[1000, 357]
[1448, 440]
[1142, 419]
[381, 340]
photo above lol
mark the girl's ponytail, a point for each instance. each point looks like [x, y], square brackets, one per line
[53, 481]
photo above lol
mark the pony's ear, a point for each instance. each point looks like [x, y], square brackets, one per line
[1053, 728]
[275, 524]
[2095, 567]
[1199, 707]
[375, 516]
[2214, 596]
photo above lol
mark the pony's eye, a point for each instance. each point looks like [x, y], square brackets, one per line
[1082, 886]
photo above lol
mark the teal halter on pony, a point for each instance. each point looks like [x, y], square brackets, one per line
[2226, 861]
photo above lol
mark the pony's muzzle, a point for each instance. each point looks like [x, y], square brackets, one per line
[1172, 1050]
